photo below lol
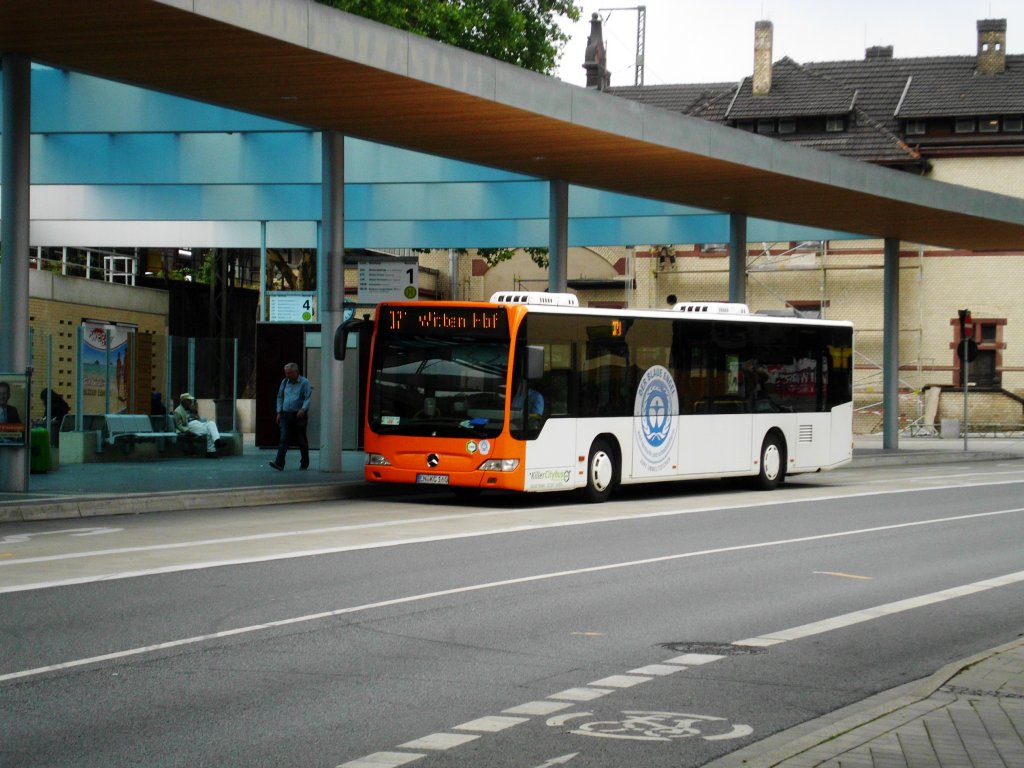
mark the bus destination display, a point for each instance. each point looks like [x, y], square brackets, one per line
[437, 320]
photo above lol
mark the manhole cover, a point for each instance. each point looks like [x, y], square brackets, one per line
[717, 649]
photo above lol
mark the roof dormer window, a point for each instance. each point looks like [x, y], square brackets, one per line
[964, 125]
[787, 125]
[916, 128]
[988, 125]
[835, 124]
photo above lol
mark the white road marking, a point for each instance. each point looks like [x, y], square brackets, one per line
[694, 659]
[491, 724]
[439, 741]
[856, 617]
[657, 669]
[619, 681]
[537, 708]
[589, 520]
[21, 538]
[580, 694]
[382, 760]
[686, 659]
[558, 760]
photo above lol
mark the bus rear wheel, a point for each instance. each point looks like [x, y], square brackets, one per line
[772, 469]
[601, 472]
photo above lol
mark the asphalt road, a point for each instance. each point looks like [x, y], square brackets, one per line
[518, 631]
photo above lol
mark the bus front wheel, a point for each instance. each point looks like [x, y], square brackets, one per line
[601, 472]
[773, 463]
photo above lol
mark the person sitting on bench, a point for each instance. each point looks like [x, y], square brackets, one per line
[187, 421]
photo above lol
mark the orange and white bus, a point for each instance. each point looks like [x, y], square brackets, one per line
[530, 392]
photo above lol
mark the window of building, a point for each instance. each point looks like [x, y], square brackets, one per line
[745, 125]
[1013, 124]
[986, 371]
[835, 124]
[787, 125]
[812, 309]
[916, 127]
[988, 125]
[765, 126]
[965, 125]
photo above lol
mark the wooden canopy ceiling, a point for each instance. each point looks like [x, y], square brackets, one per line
[299, 61]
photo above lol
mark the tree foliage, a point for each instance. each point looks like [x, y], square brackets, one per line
[521, 32]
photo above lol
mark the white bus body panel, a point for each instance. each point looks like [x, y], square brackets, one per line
[712, 445]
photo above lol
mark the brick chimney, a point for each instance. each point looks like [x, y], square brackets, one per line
[876, 52]
[762, 58]
[595, 61]
[991, 46]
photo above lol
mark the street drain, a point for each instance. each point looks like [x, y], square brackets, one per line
[716, 649]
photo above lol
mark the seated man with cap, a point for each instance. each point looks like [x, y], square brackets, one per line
[187, 421]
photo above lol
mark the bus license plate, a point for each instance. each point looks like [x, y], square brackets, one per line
[432, 479]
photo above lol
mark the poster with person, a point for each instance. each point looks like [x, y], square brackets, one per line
[14, 408]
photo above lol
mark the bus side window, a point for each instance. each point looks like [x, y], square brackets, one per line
[556, 392]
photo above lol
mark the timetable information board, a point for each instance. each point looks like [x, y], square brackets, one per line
[293, 307]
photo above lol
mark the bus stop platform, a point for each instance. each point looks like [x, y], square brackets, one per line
[164, 485]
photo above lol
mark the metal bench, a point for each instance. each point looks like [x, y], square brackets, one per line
[125, 429]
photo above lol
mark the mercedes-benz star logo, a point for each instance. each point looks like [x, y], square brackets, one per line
[433, 460]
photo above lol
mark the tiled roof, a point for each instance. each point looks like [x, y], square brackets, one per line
[796, 91]
[688, 99]
[876, 94]
[949, 87]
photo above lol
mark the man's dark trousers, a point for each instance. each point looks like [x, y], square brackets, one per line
[292, 429]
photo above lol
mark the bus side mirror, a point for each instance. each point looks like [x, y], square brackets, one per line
[350, 326]
[534, 363]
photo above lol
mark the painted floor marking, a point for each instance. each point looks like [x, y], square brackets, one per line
[619, 681]
[491, 724]
[657, 670]
[401, 542]
[537, 708]
[580, 694]
[888, 609]
[843, 575]
[694, 659]
[156, 647]
[439, 741]
[382, 760]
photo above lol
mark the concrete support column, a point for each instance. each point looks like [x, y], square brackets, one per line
[738, 258]
[330, 301]
[891, 345]
[14, 211]
[558, 236]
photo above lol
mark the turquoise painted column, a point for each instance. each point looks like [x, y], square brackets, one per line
[891, 344]
[558, 236]
[330, 301]
[14, 210]
[738, 258]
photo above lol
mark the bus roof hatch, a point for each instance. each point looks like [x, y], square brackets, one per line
[535, 297]
[712, 307]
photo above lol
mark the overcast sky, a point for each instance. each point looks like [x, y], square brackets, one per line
[704, 41]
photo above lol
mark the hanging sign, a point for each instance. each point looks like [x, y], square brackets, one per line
[293, 307]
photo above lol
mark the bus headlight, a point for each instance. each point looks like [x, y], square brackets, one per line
[377, 460]
[500, 465]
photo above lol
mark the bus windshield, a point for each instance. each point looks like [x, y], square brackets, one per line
[441, 386]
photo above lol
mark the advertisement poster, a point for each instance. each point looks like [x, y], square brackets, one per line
[106, 366]
[14, 409]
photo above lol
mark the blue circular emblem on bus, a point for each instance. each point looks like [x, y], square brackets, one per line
[655, 410]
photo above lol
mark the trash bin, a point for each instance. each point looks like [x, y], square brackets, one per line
[39, 444]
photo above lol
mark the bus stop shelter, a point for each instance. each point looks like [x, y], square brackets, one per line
[304, 64]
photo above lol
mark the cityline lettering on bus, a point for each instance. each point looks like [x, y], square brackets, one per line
[531, 392]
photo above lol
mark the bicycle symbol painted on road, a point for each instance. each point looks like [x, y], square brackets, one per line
[654, 726]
